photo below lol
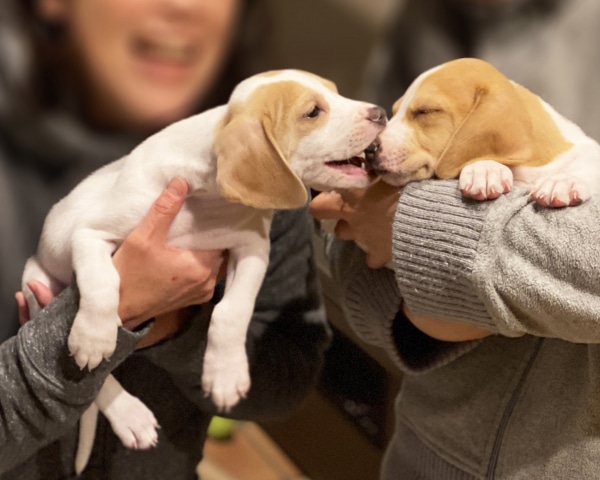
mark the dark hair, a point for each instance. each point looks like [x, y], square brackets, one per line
[47, 68]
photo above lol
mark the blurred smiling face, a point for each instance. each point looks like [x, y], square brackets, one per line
[147, 62]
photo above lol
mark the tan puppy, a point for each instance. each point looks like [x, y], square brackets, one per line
[279, 132]
[464, 118]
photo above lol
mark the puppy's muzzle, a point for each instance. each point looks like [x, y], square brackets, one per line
[372, 156]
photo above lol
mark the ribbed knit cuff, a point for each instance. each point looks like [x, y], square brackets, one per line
[435, 241]
[369, 296]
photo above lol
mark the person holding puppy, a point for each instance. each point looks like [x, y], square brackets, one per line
[489, 308]
[38, 373]
[82, 83]
[491, 311]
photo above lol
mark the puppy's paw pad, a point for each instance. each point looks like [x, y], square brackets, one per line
[133, 422]
[560, 191]
[485, 180]
[91, 342]
[226, 385]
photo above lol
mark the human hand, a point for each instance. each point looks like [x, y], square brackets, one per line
[446, 330]
[364, 216]
[157, 278]
[165, 326]
[42, 294]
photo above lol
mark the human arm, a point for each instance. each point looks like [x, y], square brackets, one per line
[366, 217]
[44, 392]
[506, 266]
[509, 265]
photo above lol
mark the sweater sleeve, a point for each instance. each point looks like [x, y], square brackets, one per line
[43, 391]
[508, 265]
[287, 335]
[371, 302]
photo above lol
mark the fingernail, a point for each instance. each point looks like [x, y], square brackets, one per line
[177, 187]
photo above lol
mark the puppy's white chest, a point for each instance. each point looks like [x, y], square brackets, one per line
[209, 222]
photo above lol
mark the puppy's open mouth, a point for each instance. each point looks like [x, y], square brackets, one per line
[358, 164]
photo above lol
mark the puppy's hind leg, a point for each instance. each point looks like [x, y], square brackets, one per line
[131, 420]
[35, 271]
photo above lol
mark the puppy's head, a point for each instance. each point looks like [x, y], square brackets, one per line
[287, 129]
[451, 115]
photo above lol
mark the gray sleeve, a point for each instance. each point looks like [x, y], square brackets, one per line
[508, 265]
[371, 300]
[43, 390]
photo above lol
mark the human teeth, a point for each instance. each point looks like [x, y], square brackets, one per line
[167, 50]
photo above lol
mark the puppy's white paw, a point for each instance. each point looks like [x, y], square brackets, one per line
[485, 180]
[132, 421]
[92, 340]
[225, 378]
[560, 191]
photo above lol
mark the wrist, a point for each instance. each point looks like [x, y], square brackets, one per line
[446, 330]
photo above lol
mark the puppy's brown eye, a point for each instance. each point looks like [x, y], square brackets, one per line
[314, 113]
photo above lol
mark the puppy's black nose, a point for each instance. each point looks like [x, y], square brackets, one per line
[377, 115]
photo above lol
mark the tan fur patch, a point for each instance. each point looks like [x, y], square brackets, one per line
[485, 116]
[283, 105]
[257, 137]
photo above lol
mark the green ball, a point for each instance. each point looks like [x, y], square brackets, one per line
[221, 428]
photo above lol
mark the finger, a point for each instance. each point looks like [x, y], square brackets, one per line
[327, 205]
[343, 231]
[22, 308]
[42, 293]
[376, 261]
[158, 220]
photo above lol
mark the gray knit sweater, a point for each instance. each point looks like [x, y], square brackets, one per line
[521, 404]
[525, 403]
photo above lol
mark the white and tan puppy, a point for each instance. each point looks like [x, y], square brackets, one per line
[279, 132]
[465, 119]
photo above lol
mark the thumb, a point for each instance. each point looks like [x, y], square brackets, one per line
[163, 211]
[327, 205]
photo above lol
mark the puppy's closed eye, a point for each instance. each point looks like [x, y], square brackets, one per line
[424, 111]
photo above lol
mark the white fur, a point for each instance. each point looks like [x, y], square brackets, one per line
[83, 230]
[569, 179]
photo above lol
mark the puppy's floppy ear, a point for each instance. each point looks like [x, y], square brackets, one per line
[496, 127]
[396, 105]
[251, 168]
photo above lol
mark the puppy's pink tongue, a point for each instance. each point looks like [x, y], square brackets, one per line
[350, 167]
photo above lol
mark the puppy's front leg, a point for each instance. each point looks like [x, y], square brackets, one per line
[226, 377]
[94, 332]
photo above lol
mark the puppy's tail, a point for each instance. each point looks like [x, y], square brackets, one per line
[87, 433]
